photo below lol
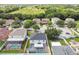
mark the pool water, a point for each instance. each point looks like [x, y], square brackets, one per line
[15, 46]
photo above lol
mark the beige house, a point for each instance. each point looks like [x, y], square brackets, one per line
[9, 22]
[41, 21]
[37, 20]
[44, 21]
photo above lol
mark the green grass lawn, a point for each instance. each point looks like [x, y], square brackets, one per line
[23, 44]
[28, 43]
[76, 39]
[29, 11]
[11, 51]
[1, 43]
[62, 42]
[29, 33]
[68, 40]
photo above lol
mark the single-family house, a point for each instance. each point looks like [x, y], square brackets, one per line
[69, 19]
[8, 22]
[55, 19]
[37, 38]
[16, 39]
[58, 49]
[41, 21]
[44, 21]
[37, 20]
[38, 43]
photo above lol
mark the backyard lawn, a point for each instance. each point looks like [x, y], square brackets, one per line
[11, 51]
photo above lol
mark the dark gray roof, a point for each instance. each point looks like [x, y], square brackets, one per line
[38, 36]
[68, 50]
[58, 50]
[62, 50]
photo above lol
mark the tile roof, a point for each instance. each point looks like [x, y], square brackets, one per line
[4, 32]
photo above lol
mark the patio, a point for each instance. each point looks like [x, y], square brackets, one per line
[41, 49]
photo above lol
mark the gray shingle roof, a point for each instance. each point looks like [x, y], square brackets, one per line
[62, 50]
[38, 36]
[58, 50]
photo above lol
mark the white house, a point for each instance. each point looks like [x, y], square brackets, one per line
[38, 43]
[69, 19]
[55, 19]
[16, 39]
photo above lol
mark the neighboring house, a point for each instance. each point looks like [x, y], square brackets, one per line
[58, 49]
[37, 20]
[9, 22]
[66, 33]
[16, 39]
[44, 21]
[55, 19]
[38, 43]
[37, 38]
[69, 19]
[4, 33]
[75, 45]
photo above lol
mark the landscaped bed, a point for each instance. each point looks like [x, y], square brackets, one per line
[1, 43]
[29, 33]
[75, 39]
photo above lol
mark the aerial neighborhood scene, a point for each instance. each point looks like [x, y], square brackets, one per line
[39, 29]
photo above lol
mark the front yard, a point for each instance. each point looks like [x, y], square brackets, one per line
[62, 42]
[76, 39]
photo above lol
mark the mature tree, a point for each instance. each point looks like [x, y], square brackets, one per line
[53, 33]
[71, 24]
[36, 27]
[28, 23]
[49, 23]
[2, 22]
[16, 24]
[60, 23]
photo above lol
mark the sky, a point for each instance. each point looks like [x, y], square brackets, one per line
[39, 1]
